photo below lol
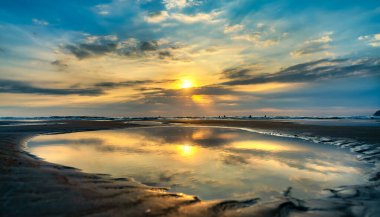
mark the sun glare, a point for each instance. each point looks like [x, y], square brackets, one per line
[186, 83]
[186, 150]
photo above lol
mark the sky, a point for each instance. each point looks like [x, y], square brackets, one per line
[189, 57]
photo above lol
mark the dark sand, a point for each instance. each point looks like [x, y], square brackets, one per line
[32, 187]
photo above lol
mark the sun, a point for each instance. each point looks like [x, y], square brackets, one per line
[186, 83]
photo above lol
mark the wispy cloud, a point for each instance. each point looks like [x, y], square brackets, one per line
[161, 16]
[40, 22]
[238, 72]
[157, 17]
[179, 4]
[316, 70]
[211, 17]
[103, 9]
[371, 40]
[317, 45]
[261, 35]
[257, 39]
[233, 28]
[131, 83]
[11, 86]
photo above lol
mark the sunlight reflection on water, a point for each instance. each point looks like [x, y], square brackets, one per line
[213, 163]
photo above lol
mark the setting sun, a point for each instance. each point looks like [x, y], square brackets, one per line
[186, 83]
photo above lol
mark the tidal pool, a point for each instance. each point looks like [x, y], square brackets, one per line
[212, 163]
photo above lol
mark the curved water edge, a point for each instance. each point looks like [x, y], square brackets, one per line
[271, 133]
[366, 152]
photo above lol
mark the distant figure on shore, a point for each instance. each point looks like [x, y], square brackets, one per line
[250, 116]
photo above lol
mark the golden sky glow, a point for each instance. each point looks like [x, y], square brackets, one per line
[145, 58]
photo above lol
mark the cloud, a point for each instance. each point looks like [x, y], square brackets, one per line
[165, 54]
[197, 18]
[97, 38]
[61, 64]
[40, 22]
[160, 16]
[323, 69]
[82, 51]
[94, 46]
[317, 45]
[238, 72]
[131, 83]
[157, 17]
[219, 96]
[233, 28]
[149, 46]
[103, 9]
[179, 4]
[11, 86]
[371, 40]
[263, 36]
[257, 39]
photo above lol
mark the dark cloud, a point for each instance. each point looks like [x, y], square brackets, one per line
[149, 89]
[155, 14]
[165, 54]
[324, 69]
[149, 46]
[236, 72]
[11, 86]
[131, 83]
[60, 64]
[95, 46]
[121, 84]
[82, 51]
[213, 90]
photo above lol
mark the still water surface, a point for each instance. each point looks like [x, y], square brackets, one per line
[212, 163]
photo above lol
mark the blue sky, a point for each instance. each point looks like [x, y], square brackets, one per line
[189, 57]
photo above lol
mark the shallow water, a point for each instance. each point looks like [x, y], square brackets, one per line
[212, 163]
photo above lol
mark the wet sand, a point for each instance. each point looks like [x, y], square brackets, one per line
[367, 134]
[33, 187]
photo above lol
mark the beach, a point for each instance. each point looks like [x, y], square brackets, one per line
[33, 187]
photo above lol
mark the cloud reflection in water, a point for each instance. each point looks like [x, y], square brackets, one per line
[213, 163]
